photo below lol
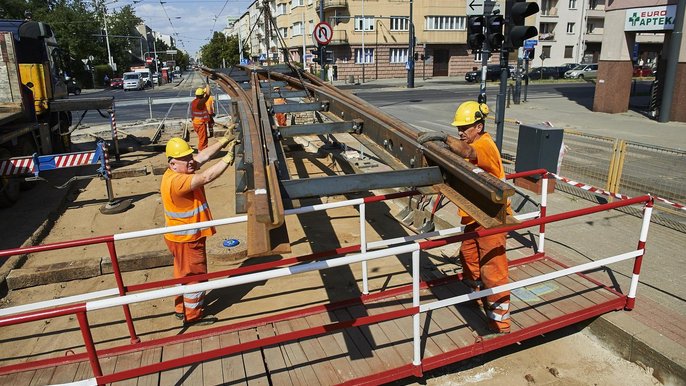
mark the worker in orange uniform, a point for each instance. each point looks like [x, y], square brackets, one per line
[200, 115]
[210, 110]
[280, 117]
[484, 261]
[184, 201]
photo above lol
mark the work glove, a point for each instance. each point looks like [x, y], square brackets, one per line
[432, 136]
[229, 135]
[229, 157]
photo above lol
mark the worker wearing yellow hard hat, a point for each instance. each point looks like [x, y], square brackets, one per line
[184, 202]
[200, 116]
[483, 259]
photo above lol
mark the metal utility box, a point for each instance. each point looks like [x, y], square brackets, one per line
[538, 147]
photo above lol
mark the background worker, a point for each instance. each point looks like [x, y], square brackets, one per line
[184, 201]
[210, 110]
[280, 117]
[483, 259]
[200, 115]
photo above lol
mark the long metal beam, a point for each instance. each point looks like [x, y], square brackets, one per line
[320, 128]
[352, 183]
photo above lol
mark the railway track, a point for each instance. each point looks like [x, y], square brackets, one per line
[263, 183]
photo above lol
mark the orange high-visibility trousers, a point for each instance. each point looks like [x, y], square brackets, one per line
[189, 259]
[484, 262]
[201, 131]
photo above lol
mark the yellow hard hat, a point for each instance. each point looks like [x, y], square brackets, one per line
[199, 91]
[177, 148]
[469, 112]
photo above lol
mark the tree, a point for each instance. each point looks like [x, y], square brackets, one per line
[125, 51]
[220, 48]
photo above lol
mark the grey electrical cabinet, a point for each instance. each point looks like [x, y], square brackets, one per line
[538, 147]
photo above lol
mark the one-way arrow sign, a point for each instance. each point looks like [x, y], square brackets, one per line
[482, 7]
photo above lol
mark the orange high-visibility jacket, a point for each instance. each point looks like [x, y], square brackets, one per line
[183, 205]
[199, 111]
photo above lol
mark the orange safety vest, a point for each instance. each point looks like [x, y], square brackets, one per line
[210, 105]
[200, 115]
[184, 206]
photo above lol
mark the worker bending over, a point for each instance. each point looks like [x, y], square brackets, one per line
[484, 262]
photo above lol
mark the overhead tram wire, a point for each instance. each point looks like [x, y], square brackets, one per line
[171, 24]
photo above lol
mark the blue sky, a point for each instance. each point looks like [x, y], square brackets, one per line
[192, 21]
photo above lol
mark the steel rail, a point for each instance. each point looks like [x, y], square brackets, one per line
[398, 140]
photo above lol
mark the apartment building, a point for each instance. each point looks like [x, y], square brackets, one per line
[370, 39]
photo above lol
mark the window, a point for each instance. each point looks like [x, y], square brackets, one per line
[364, 24]
[297, 29]
[297, 3]
[569, 52]
[398, 55]
[368, 57]
[572, 4]
[590, 27]
[546, 51]
[570, 28]
[445, 23]
[310, 27]
[281, 9]
[283, 32]
[400, 23]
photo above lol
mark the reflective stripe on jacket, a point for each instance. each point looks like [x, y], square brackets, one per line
[184, 206]
[200, 115]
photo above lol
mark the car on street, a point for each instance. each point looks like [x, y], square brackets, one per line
[72, 88]
[538, 73]
[133, 81]
[643, 71]
[492, 73]
[583, 71]
[117, 83]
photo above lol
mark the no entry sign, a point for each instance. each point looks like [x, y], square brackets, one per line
[322, 33]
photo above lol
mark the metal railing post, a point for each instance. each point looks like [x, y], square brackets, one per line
[88, 341]
[417, 357]
[544, 204]
[363, 248]
[631, 297]
[150, 106]
[113, 125]
[122, 291]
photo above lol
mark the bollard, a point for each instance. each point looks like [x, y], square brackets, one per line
[150, 107]
[113, 206]
[509, 96]
[113, 126]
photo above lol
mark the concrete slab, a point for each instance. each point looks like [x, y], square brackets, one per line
[53, 273]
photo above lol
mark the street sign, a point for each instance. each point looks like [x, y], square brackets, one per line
[171, 52]
[148, 60]
[530, 43]
[91, 58]
[482, 7]
[322, 33]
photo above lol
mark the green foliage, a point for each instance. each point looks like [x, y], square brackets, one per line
[99, 74]
[220, 48]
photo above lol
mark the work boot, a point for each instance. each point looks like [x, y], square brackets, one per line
[178, 315]
[203, 321]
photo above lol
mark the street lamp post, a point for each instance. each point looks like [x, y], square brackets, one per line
[410, 52]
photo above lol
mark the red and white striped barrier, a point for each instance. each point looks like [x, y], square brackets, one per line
[74, 159]
[16, 166]
[594, 189]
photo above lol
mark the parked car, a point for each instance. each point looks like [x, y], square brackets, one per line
[583, 71]
[538, 73]
[643, 71]
[133, 81]
[72, 88]
[117, 83]
[492, 73]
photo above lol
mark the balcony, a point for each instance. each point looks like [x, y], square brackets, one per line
[332, 4]
[595, 37]
[549, 12]
[339, 38]
[546, 36]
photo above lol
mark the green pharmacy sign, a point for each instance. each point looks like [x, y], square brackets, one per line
[650, 19]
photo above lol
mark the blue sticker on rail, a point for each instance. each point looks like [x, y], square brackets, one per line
[308, 267]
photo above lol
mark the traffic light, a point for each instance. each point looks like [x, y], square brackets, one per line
[328, 56]
[519, 32]
[416, 56]
[494, 27]
[315, 56]
[475, 32]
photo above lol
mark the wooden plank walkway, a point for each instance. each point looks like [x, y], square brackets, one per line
[346, 355]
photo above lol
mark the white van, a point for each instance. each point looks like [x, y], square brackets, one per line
[133, 81]
[147, 76]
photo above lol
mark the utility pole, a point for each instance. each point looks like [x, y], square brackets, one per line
[107, 38]
[322, 75]
[410, 52]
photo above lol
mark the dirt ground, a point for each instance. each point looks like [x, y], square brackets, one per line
[570, 360]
